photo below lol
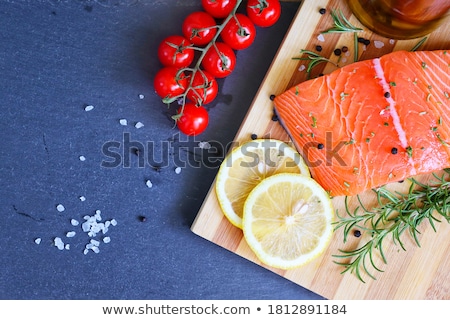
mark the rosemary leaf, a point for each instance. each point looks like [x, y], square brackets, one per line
[417, 46]
[314, 59]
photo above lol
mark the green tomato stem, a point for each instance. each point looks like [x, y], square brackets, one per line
[203, 51]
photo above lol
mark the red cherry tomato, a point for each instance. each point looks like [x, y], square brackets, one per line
[199, 27]
[219, 60]
[175, 51]
[193, 121]
[264, 13]
[169, 83]
[239, 34]
[219, 8]
[205, 88]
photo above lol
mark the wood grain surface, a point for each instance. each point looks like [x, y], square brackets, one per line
[417, 272]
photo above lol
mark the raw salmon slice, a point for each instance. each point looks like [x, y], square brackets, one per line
[372, 122]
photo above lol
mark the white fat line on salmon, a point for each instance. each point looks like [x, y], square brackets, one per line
[387, 88]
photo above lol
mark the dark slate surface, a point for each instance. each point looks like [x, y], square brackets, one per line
[56, 57]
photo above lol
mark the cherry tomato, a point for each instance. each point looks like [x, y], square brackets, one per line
[219, 8]
[175, 51]
[205, 88]
[239, 34]
[193, 121]
[219, 60]
[199, 27]
[264, 13]
[169, 83]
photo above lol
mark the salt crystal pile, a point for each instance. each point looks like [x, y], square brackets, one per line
[93, 226]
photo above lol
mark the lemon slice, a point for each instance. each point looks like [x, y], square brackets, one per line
[287, 220]
[246, 166]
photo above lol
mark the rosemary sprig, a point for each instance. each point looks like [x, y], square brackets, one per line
[314, 60]
[394, 214]
[341, 23]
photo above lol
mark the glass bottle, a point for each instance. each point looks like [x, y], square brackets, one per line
[401, 19]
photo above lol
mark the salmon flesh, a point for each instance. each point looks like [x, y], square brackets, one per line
[372, 122]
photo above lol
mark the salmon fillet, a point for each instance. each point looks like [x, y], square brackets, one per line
[372, 122]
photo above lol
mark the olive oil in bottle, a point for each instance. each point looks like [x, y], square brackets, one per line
[401, 19]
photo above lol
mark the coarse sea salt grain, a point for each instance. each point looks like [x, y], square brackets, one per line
[58, 243]
[301, 68]
[74, 222]
[391, 41]
[378, 44]
[71, 234]
[67, 246]
[123, 122]
[106, 239]
[149, 183]
[321, 38]
[37, 240]
[60, 208]
[82, 158]
[82, 198]
[138, 125]
[89, 108]
[141, 96]
[177, 170]
[92, 245]
[204, 145]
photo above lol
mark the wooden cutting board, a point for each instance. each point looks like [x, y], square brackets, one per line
[417, 273]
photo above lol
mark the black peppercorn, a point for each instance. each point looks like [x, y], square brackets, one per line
[254, 136]
[272, 97]
[387, 95]
[319, 48]
[344, 49]
[142, 218]
[394, 150]
[357, 233]
[322, 10]
[361, 40]
[274, 117]
[320, 146]
[337, 52]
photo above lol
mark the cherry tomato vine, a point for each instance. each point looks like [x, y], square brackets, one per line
[214, 33]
